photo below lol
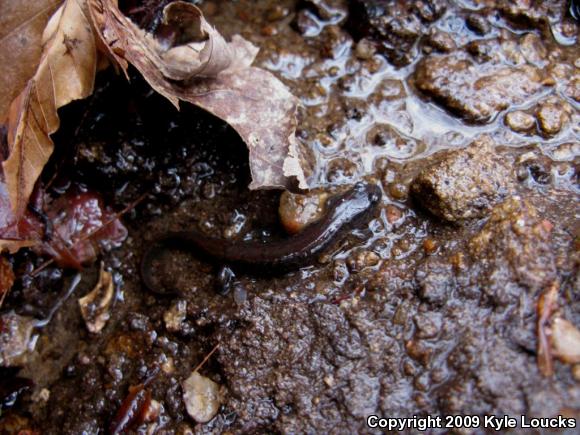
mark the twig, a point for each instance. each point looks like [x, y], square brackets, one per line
[3, 297]
[208, 356]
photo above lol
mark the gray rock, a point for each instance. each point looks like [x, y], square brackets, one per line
[464, 183]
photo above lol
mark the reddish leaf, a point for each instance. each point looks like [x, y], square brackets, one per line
[81, 225]
[6, 277]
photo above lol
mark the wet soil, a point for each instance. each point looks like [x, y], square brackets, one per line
[467, 116]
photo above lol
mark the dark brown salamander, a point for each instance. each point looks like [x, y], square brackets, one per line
[343, 211]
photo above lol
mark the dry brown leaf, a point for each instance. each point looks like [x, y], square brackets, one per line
[66, 72]
[15, 233]
[21, 27]
[215, 75]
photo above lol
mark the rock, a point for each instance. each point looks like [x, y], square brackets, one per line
[395, 25]
[565, 340]
[202, 397]
[573, 89]
[361, 260]
[365, 49]
[532, 15]
[175, 316]
[536, 165]
[428, 324]
[277, 13]
[394, 144]
[297, 211]
[566, 151]
[362, 395]
[440, 41]
[476, 93]
[513, 246]
[465, 183]
[533, 49]
[552, 116]
[478, 24]
[341, 171]
[435, 280]
[484, 50]
[509, 260]
[307, 24]
[520, 121]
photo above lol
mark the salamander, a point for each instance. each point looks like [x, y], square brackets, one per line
[342, 211]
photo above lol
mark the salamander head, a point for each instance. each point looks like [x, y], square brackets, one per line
[364, 192]
[356, 202]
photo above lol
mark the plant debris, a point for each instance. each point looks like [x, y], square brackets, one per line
[15, 338]
[547, 305]
[137, 408]
[95, 305]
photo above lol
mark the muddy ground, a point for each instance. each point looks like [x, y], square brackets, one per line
[465, 113]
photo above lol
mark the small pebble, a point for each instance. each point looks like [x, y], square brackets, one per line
[438, 375]
[361, 260]
[240, 294]
[421, 382]
[297, 211]
[329, 380]
[365, 49]
[175, 316]
[551, 118]
[477, 24]
[202, 397]
[441, 41]
[430, 246]
[393, 213]
[409, 369]
[520, 121]
[276, 13]
[340, 271]
[576, 372]
[269, 30]
[399, 191]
